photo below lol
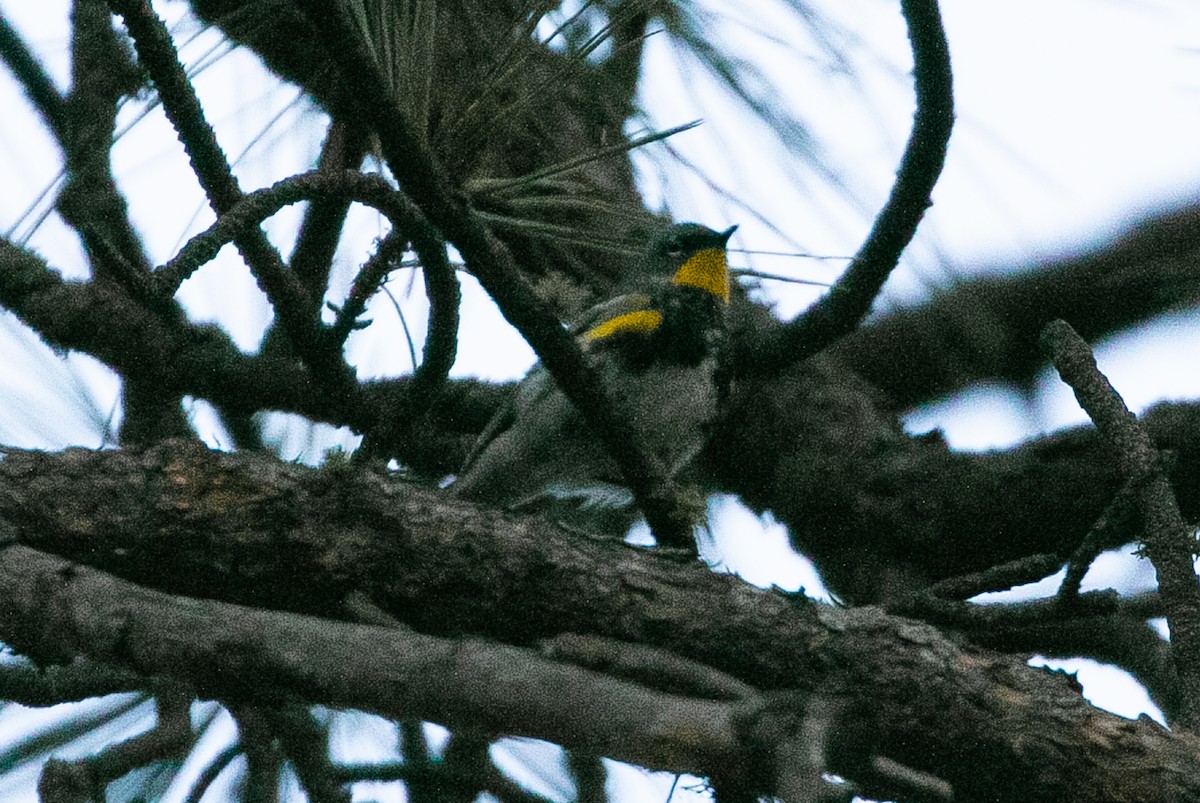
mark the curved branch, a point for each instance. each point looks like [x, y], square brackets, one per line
[441, 282]
[255, 207]
[845, 305]
[291, 301]
[441, 336]
[441, 288]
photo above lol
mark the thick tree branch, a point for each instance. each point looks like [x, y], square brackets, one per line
[241, 526]
[885, 514]
[986, 328]
[813, 445]
[394, 672]
[31, 686]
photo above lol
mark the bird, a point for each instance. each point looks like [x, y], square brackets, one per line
[661, 350]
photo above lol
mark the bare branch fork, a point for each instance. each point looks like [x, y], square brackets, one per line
[441, 282]
[158, 56]
[1168, 541]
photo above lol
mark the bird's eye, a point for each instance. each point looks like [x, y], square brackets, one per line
[674, 250]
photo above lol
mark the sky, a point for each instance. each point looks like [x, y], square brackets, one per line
[1075, 118]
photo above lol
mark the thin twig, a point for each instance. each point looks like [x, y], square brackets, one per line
[211, 772]
[1098, 539]
[989, 618]
[82, 125]
[317, 240]
[589, 776]
[912, 784]
[1168, 541]
[849, 300]
[263, 760]
[305, 742]
[366, 284]
[429, 781]
[996, 578]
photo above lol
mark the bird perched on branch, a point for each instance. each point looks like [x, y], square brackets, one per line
[661, 351]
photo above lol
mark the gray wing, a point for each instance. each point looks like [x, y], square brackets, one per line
[536, 437]
[534, 386]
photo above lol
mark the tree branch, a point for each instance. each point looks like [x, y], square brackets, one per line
[202, 361]
[441, 282]
[986, 327]
[85, 779]
[292, 305]
[393, 672]
[317, 240]
[845, 305]
[305, 742]
[34, 79]
[981, 722]
[31, 686]
[1169, 542]
[487, 258]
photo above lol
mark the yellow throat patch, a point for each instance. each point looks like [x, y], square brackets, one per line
[708, 270]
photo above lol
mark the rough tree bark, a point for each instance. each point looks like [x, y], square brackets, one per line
[286, 545]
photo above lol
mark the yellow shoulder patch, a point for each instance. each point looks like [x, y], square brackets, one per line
[643, 322]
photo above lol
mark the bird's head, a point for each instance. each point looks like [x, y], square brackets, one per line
[693, 256]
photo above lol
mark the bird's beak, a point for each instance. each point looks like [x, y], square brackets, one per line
[725, 235]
